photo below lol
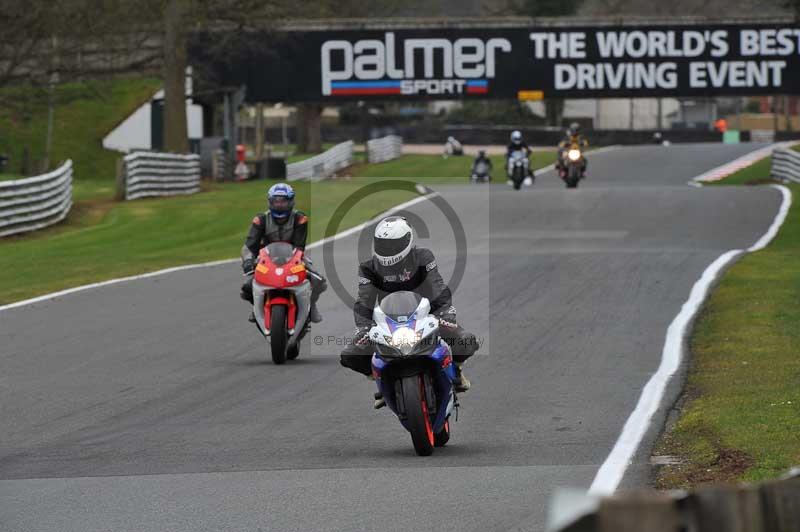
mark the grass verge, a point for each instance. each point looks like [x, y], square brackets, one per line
[437, 169]
[107, 241]
[84, 114]
[102, 239]
[740, 413]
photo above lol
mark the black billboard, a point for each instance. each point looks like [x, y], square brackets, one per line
[528, 63]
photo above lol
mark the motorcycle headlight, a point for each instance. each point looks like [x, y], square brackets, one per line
[404, 339]
[574, 155]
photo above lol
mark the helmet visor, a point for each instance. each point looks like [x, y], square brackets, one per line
[280, 204]
[389, 247]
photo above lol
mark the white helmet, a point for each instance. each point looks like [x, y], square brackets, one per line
[393, 240]
[516, 137]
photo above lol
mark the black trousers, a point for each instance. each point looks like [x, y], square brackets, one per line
[462, 344]
[318, 285]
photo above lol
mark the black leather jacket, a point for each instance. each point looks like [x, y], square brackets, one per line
[515, 147]
[265, 230]
[418, 273]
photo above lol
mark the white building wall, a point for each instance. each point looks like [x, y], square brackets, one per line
[134, 132]
[615, 113]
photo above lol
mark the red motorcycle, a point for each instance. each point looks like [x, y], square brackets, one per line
[281, 299]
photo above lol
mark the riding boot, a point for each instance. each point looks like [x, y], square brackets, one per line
[461, 383]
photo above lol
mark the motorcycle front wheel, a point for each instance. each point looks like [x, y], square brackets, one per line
[518, 177]
[573, 176]
[418, 419]
[278, 335]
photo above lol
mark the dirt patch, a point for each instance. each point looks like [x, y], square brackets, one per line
[727, 466]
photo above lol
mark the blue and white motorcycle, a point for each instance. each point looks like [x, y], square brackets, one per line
[413, 368]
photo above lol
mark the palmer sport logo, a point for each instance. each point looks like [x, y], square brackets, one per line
[372, 66]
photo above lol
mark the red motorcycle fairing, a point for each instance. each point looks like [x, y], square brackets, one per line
[278, 276]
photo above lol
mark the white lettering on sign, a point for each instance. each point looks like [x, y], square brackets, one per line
[595, 76]
[372, 60]
[563, 45]
[736, 74]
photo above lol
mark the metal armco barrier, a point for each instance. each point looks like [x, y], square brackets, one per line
[149, 174]
[35, 202]
[762, 135]
[323, 165]
[772, 506]
[384, 149]
[786, 165]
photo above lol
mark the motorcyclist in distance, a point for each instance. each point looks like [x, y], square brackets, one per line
[572, 137]
[480, 160]
[517, 144]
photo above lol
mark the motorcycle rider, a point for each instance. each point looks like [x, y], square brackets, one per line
[482, 159]
[571, 136]
[453, 147]
[281, 223]
[518, 144]
[396, 265]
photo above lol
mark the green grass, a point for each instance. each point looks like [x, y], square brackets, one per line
[437, 169]
[741, 413]
[755, 174]
[102, 239]
[102, 242]
[84, 114]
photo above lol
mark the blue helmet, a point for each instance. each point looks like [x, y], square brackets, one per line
[281, 200]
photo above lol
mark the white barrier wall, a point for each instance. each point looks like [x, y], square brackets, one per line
[323, 165]
[384, 149]
[786, 165]
[35, 202]
[149, 174]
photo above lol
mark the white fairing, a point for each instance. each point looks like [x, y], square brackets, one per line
[302, 294]
[424, 323]
[517, 158]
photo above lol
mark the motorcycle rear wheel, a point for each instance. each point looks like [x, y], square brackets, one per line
[293, 352]
[278, 335]
[443, 436]
[418, 420]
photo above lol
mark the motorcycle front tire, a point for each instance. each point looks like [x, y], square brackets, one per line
[278, 335]
[418, 420]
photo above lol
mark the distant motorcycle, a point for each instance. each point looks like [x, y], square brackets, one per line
[572, 164]
[480, 173]
[281, 299]
[413, 368]
[517, 170]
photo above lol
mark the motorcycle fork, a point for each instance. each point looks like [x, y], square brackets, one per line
[430, 396]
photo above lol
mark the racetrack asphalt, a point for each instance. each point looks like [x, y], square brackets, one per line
[151, 405]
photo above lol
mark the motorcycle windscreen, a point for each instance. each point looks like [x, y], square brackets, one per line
[280, 252]
[401, 306]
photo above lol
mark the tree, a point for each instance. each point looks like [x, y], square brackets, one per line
[554, 107]
[175, 132]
